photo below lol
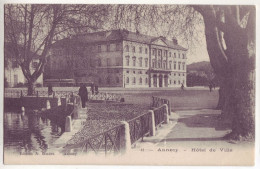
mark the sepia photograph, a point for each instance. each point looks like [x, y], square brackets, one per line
[129, 84]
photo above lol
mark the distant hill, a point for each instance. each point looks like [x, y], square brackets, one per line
[203, 66]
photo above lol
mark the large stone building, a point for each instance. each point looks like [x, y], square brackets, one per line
[118, 58]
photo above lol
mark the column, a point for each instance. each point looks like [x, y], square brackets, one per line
[158, 79]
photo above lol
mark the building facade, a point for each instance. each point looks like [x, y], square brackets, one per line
[118, 58]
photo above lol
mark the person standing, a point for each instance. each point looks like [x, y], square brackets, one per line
[50, 91]
[182, 86]
[210, 87]
[83, 93]
[92, 88]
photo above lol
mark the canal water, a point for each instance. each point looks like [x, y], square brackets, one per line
[29, 133]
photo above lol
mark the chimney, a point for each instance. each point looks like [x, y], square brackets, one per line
[175, 41]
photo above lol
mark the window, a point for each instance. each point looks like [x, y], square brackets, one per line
[127, 79]
[183, 56]
[179, 74]
[174, 82]
[159, 52]
[170, 54]
[117, 47]
[117, 70]
[127, 48]
[133, 80]
[134, 61]
[170, 64]
[108, 47]
[140, 80]
[174, 66]
[140, 72]
[127, 61]
[146, 51]
[179, 82]
[174, 55]
[179, 66]
[127, 71]
[170, 81]
[174, 74]
[99, 48]
[117, 79]
[183, 66]
[164, 64]
[117, 61]
[153, 63]
[179, 55]
[99, 62]
[146, 62]
[183, 74]
[133, 72]
[140, 50]
[133, 49]
[146, 80]
[165, 53]
[159, 64]
[154, 52]
[140, 62]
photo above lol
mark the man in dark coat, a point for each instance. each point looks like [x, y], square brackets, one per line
[83, 93]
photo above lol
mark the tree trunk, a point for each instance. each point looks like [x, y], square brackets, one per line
[244, 99]
[31, 88]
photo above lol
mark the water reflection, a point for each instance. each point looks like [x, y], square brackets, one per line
[29, 132]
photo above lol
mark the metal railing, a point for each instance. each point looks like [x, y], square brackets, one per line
[139, 127]
[106, 143]
[159, 115]
[157, 102]
[43, 93]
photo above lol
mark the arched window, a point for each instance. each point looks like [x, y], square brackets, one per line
[127, 48]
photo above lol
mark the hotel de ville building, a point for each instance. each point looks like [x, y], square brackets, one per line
[117, 58]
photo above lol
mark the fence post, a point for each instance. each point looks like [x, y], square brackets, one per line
[48, 105]
[21, 93]
[125, 141]
[58, 102]
[166, 115]
[152, 123]
[68, 124]
[169, 107]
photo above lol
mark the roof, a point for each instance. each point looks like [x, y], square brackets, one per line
[114, 35]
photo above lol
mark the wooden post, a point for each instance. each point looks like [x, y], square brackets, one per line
[125, 141]
[152, 123]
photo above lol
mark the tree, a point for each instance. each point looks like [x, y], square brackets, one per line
[31, 29]
[230, 39]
